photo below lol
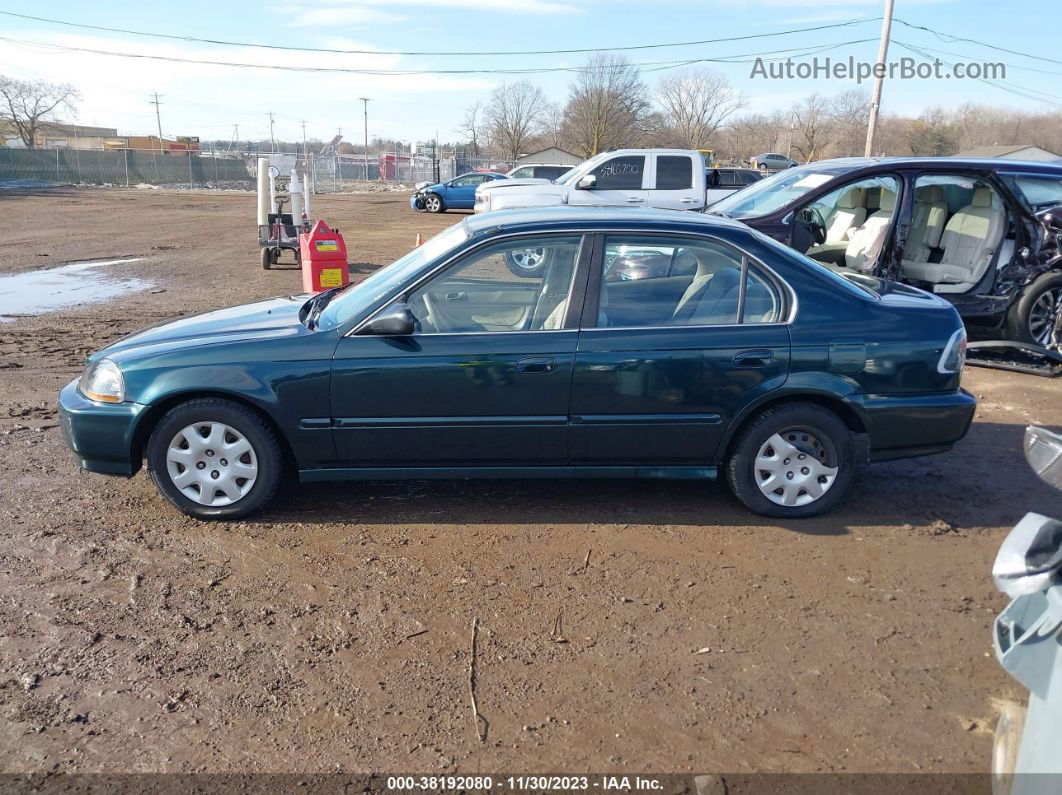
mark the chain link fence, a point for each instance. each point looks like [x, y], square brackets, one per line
[217, 170]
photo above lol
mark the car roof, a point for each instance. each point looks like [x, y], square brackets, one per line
[568, 216]
[844, 165]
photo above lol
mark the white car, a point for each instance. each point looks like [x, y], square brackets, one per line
[549, 171]
[670, 179]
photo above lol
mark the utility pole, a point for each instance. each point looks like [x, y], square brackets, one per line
[303, 123]
[875, 100]
[272, 138]
[365, 108]
[158, 118]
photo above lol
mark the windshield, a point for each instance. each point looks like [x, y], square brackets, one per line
[1040, 192]
[771, 193]
[355, 297]
[587, 165]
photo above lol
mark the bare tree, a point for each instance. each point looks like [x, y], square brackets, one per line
[756, 133]
[695, 103]
[470, 126]
[849, 111]
[553, 125]
[514, 117]
[30, 105]
[606, 104]
[811, 128]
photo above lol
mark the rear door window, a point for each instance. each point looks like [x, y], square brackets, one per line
[674, 172]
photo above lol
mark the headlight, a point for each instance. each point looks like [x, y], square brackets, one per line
[103, 381]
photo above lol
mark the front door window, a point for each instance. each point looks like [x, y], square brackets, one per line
[520, 284]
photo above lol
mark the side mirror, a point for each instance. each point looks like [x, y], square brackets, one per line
[395, 321]
[589, 182]
[1043, 451]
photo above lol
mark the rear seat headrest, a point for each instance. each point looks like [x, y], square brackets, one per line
[982, 197]
[930, 194]
[851, 199]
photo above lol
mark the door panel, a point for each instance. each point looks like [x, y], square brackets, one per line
[621, 181]
[485, 380]
[661, 386]
[665, 396]
[673, 186]
[452, 399]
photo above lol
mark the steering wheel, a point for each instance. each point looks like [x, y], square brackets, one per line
[816, 224]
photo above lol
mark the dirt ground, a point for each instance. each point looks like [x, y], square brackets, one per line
[332, 632]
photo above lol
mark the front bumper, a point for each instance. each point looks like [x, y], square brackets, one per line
[416, 201]
[100, 434]
[902, 426]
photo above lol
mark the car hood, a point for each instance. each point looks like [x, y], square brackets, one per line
[274, 317]
[513, 183]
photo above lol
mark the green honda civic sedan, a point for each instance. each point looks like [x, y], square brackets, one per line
[640, 344]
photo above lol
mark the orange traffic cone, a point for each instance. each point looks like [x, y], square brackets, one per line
[420, 240]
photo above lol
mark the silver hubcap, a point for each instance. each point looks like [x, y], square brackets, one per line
[212, 464]
[1044, 315]
[432, 203]
[528, 258]
[792, 469]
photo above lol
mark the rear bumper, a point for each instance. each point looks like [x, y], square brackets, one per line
[100, 434]
[900, 426]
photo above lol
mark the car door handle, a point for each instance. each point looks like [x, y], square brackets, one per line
[456, 295]
[753, 359]
[635, 200]
[688, 200]
[536, 364]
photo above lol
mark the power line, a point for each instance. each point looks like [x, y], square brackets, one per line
[223, 42]
[412, 72]
[950, 39]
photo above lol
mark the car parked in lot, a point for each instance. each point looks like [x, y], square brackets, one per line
[739, 358]
[547, 171]
[723, 181]
[981, 233]
[671, 179]
[458, 193]
[772, 161]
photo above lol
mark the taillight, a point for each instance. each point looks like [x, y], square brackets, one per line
[954, 356]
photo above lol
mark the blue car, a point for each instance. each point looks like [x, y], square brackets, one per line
[457, 194]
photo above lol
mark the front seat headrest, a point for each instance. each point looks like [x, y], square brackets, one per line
[888, 200]
[982, 197]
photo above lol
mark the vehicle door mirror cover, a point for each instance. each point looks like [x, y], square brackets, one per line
[395, 321]
[587, 182]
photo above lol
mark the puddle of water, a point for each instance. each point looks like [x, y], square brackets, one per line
[42, 291]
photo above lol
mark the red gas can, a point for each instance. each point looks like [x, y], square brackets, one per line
[324, 259]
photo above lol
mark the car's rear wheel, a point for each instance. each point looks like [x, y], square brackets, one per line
[214, 459]
[433, 203]
[792, 461]
[1035, 315]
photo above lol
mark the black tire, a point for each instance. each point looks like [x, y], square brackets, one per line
[266, 449]
[267, 259]
[433, 203]
[1027, 315]
[802, 420]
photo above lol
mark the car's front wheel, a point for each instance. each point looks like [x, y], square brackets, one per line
[433, 203]
[214, 459]
[792, 461]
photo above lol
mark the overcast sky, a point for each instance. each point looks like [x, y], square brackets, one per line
[208, 100]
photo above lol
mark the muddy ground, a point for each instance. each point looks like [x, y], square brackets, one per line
[332, 632]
